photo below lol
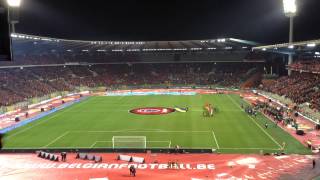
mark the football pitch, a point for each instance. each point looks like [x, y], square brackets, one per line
[93, 123]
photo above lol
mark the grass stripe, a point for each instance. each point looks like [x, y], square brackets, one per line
[99, 119]
[265, 132]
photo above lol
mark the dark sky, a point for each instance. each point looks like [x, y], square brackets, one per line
[257, 20]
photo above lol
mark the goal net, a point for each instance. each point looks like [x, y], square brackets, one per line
[129, 142]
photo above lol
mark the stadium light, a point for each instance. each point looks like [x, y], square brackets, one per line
[14, 35]
[13, 13]
[311, 45]
[290, 7]
[14, 3]
[290, 10]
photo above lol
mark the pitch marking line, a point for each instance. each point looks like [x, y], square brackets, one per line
[96, 142]
[215, 139]
[120, 131]
[255, 123]
[169, 142]
[56, 139]
[44, 121]
[92, 146]
[26, 129]
[252, 148]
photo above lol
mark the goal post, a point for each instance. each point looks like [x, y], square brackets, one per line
[139, 142]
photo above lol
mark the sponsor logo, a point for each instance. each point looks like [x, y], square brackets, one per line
[152, 111]
[151, 166]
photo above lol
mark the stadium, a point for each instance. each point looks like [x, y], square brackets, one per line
[217, 108]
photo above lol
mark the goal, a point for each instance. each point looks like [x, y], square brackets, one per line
[139, 142]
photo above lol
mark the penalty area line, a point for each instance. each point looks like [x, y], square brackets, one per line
[56, 139]
[96, 142]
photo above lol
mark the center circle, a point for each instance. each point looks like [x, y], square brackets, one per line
[152, 111]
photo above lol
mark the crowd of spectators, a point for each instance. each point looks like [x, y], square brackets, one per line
[299, 87]
[20, 84]
[306, 66]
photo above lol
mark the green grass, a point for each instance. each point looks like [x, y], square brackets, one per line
[93, 122]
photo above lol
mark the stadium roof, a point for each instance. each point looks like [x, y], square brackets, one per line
[221, 44]
[303, 47]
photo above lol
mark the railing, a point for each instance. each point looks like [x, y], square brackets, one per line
[169, 86]
[35, 100]
[24, 104]
[27, 121]
[304, 70]
[303, 109]
[277, 97]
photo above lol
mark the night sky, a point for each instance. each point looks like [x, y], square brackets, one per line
[256, 20]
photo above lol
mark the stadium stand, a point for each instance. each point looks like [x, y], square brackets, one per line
[40, 71]
[40, 81]
[306, 66]
[300, 87]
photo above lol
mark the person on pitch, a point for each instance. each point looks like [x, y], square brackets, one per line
[132, 170]
[205, 110]
[211, 110]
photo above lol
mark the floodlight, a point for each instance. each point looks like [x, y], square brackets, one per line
[317, 53]
[221, 40]
[14, 35]
[311, 45]
[291, 47]
[290, 7]
[14, 3]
